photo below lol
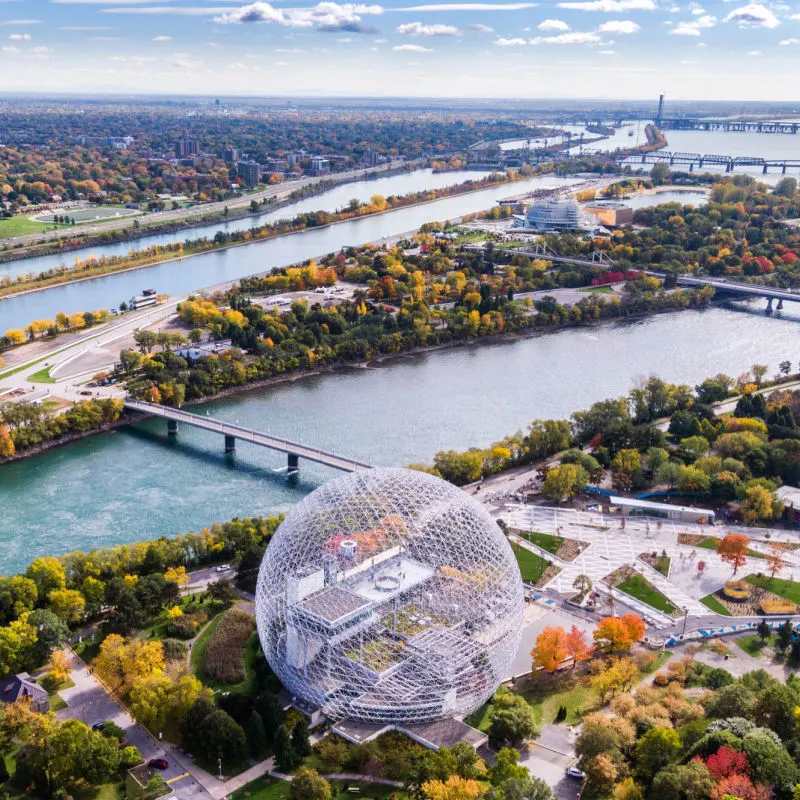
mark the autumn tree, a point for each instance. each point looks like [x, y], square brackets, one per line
[774, 559]
[732, 550]
[564, 481]
[60, 667]
[453, 788]
[550, 648]
[577, 646]
[760, 505]
[308, 784]
[619, 634]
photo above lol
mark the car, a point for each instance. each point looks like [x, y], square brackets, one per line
[98, 726]
[223, 568]
[574, 772]
[158, 763]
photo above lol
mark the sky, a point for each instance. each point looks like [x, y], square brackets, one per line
[418, 48]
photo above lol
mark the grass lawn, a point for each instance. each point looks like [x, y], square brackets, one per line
[42, 376]
[640, 588]
[187, 603]
[531, 565]
[264, 788]
[711, 602]
[198, 658]
[598, 289]
[56, 703]
[662, 565]
[544, 540]
[20, 225]
[753, 645]
[788, 590]
[548, 693]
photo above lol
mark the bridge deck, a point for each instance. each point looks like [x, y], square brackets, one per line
[249, 435]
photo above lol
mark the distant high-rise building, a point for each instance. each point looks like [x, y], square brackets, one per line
[249, 172]
[186, 147]
[230, 154]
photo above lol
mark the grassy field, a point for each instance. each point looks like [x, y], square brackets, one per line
[662, 565]
[640, 588]
[42, 376]
[753, 645]
[544, 540]
[598, 289]
[711, 602]
[531, 565]
[22, 226]
[788, 590]
[266, 788]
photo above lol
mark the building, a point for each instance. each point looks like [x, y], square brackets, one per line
[552, 215]
[187, 147]
[610, 213]
[389, 596]
[633, 507]
[790, 497]
[22, 686]
[372, 158]
[320, 165]
[249, 172]
[230, 155]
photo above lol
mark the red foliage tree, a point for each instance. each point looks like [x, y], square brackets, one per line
[725, 762]
[741, 787]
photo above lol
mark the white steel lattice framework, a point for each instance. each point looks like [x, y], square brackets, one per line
[388, 595]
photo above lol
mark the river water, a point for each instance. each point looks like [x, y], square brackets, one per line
[331, 200]
[209, 269]
[135, 483]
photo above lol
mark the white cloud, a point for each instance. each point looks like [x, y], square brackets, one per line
[753, 15]
[411, 48]
[575, 37]
[674, 10]
[621, 27]
[418, 29]
[470, 7]
[325, 16]
[162, 38]
[22, 22]
[610, 6]
[212, 45]
[39, 51]
[755, 53]
[20, 37]
[10, 50]
[481, 28]
[281, 63]
[179, 11]
[685, 29]
[607, 52]
[553, 25]
[693, 27]
[289, 50]
[789, 42]
[503, 42]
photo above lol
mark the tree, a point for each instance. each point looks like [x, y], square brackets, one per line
[564, 481]
[525, 788]
[785, 635]
[763, 630]
[774, 709]
[619, 634]
[130, 756]
[48, 574]
[256, 737]
[67, 604]
[760, 505]
[769, 762]
[735, 700]
[301, 744]
[775, 561]
[220, 736]
[51, 633]
[601, 772]
[550, 648]
[197, 712]
[627, 789]
[690, 781]
[658, 748]
[627, 464]
[453, 788]
[150, 700]
[732, 549]
[60, 667]
[93, 591]
[511, 719]
[308, 784]
[285, 757]
[577, 646]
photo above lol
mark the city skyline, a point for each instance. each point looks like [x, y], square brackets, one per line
[570, 49]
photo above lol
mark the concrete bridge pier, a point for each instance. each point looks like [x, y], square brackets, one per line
[769, 305]
[172, 427]
[779, 307]
[783, 169]
[293, 463]
[230, 444]
[764, 171]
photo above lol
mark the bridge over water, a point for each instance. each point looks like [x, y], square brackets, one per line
[740, 126]
[705, 159]
[294, 450]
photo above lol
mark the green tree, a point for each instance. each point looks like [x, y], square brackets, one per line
[564, 481]
[48, 574]
[511, 719]
[301, 744]
[93, 591]
[285, 757]
[198, 711]
[51, 633]
[735, 700]
[690, 781]
[130, 756]
[774, 709]
[655, 750]
[256, 737]
[220, 736]
[459, 468]
[308, 784]
[769, 762]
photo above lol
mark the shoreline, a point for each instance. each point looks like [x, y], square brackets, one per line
[127, 418]
[230, 245]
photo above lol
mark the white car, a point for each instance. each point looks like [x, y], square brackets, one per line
[223, 568]
[574, 772]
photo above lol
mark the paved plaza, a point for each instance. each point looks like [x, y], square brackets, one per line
[612, 546]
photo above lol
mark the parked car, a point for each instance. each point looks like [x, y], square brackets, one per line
[158, 763]
[574, 772]
[98, 726]
[223, 568]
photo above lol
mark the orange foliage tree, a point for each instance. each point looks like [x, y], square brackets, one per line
[775, 562]
[550, 648]
[619, 634]
[732, 550]
[577, 646]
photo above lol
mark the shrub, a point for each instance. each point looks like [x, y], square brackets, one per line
[187, 626]
[174, 650]
[224, 655]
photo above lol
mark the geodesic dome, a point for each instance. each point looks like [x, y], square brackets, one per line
[389, 595]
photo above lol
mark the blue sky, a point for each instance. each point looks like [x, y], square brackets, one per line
[547, 49]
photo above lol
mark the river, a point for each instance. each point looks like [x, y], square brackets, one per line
[135, 483]
[209, 269]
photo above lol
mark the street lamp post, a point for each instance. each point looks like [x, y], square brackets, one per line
[685, 619]
[219, 765]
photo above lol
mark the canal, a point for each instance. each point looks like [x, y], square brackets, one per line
[136, 484]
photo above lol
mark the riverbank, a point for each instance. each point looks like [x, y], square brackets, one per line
[235, 212]
[375, 362]
[72, 275]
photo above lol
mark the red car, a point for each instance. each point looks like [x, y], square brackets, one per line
[158, 763]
